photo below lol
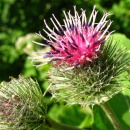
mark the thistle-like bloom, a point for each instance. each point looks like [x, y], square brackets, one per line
[77, 41]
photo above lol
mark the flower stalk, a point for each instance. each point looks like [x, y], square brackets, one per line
[111, 115]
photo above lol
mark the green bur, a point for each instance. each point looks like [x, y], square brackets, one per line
[22, 105]
[92, 83]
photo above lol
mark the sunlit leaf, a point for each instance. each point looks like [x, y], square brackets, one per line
[73, 115]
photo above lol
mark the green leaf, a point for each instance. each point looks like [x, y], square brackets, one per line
[121, 107]
[73, 115]
[122, 39]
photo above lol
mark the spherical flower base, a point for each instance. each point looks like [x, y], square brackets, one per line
[91, 83]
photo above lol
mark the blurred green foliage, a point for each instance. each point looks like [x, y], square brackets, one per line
[20, 19]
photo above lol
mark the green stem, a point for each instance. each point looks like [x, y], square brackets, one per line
[112, 117]
[59, 126]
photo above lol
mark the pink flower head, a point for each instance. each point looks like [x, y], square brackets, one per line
[77, 41]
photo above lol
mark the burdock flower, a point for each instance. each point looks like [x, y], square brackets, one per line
[80, 42]
[93, 83]
[77, 41]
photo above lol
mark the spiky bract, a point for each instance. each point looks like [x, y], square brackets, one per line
[22, 105]
[91, 83]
